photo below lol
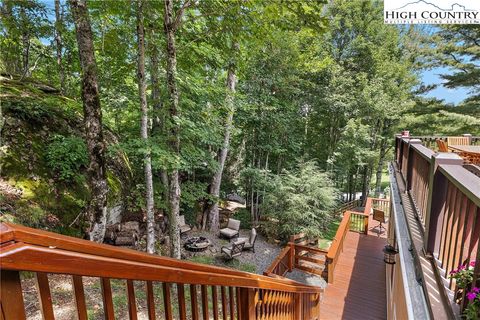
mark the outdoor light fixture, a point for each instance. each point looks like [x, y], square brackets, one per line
[389, 254]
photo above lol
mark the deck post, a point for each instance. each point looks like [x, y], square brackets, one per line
[292, 256]
[436, 198]
[408, 177]
[469, 136]
[11, 298]
[247, 304]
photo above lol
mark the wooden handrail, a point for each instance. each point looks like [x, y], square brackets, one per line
[339, 236]
[42, 252]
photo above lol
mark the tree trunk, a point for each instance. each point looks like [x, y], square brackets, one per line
[174, 139]
[155, 80]
[97, 208]
[25, 47]
[365, 183]
[58, 41]
[379, 173]
[157, 127]
[212, 210]
[144, 129]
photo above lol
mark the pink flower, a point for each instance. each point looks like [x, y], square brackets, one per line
[472, 264]
[471, 296]
[475, 289]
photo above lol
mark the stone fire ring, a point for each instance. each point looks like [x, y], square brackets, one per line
[197, 244]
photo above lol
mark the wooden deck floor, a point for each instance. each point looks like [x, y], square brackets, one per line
[358, 291]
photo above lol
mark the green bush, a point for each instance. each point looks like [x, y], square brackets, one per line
[66, 155]
[301, 201]
[245, 218]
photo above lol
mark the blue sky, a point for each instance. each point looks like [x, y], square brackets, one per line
[449, 95]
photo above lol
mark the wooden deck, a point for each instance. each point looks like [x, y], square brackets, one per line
[358, 291]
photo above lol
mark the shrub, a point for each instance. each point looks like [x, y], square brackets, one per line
[66, 155]
[300, 201]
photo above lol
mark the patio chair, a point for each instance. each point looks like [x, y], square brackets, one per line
[234, 249]
[250, 241]
[442, 145]
[379, 216]
[182, 225]
[231, 230]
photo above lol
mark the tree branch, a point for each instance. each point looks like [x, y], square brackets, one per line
[179, 15]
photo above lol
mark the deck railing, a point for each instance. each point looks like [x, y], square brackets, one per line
[303, 253]
[431, 141]
[222, 292]
[446, 195]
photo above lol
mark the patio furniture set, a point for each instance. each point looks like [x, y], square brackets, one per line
[231, 232]
[461, 146]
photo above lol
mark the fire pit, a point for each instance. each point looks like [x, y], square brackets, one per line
[197, 244]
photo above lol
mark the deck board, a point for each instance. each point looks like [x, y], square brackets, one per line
[358, 290]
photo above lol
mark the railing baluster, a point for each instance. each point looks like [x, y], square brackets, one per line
[182, 310]
[132, 304]
[224, 303]
[231, 303]
[45, 298]
[214, 302]
[107, 299]
[79, 297]
[238, 303]
[11, 297]
[194, 301]
[150, 301]
[167, 301]
[204, 302]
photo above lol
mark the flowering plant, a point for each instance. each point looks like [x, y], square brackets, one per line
[463, 275]
[473, 307]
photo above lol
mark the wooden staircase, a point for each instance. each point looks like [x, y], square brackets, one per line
[224, 293]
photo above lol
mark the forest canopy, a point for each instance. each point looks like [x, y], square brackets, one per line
[198, 100]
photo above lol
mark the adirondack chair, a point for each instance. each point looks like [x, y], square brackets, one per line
[463, 141]
[442, 145]
[234, 249]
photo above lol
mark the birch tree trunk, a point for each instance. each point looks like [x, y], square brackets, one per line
[170, 26]
[25, 46]
[144, 128]
[212, 210]
[58, 41]
[97, 208]
[157, 126]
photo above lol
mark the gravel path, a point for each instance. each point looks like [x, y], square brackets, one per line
[307, 278]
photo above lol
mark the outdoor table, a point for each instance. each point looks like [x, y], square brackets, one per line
[468, 152]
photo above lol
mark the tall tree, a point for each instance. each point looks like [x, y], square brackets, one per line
[92, 113]
[171, 24]
[456, 47]
[212, 210]
[59, 44]
[157, 106]
[144, 128]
